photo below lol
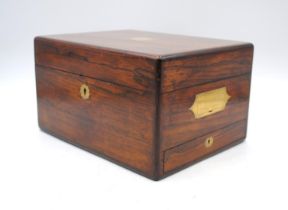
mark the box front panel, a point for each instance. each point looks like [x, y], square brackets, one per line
[118, 68]
[105, 118]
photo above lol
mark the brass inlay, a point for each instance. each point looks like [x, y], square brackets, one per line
[84, 91]
[210, 102]
[141, 38]
[209, 141]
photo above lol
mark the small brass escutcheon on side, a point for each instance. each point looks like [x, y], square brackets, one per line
[210, 102]
[84, 91]
[209, 142]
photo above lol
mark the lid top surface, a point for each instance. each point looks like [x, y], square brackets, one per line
[150, 44]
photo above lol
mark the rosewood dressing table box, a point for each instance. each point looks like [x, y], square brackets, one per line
[154, 103]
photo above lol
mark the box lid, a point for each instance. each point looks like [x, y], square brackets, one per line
[148, 44]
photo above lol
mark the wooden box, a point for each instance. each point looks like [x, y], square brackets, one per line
[154, 103]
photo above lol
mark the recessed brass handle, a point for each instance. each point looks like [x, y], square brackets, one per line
[210, 102]
[84, 91]
[209, 142]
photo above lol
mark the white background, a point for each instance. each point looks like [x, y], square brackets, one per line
[38, 171]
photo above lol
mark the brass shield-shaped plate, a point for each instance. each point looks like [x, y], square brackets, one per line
[210, 102]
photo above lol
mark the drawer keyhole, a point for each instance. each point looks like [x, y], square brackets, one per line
[209, 141]
[84, 91]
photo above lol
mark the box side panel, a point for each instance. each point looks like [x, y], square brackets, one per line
[180, 123]
[199, 69]
[115, 121]
[187, 88]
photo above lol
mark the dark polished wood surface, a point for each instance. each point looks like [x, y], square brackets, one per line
[141, 87]
[178, 123]
[203, 68]
[148, 44]
[116, 121]
[113, 67]
[191, 151]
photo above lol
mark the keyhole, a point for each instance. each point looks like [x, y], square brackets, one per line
[84, 91]
[209, 141]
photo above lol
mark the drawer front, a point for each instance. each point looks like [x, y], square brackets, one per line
[105, 118]
[192, 112]
[203, 146]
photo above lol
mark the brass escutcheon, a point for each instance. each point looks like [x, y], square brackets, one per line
[84, 91]
[209, 141]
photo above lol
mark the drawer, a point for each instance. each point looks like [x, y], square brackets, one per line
[201, 147]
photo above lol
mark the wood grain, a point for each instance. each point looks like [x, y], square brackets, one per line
[195, 149]
[202, 68]
[117, 68]
[147, 44]
[116, 121]
[178, 123]
[142, 85]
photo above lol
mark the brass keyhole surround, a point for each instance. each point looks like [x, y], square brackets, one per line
[209, 141]
[84, 91]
